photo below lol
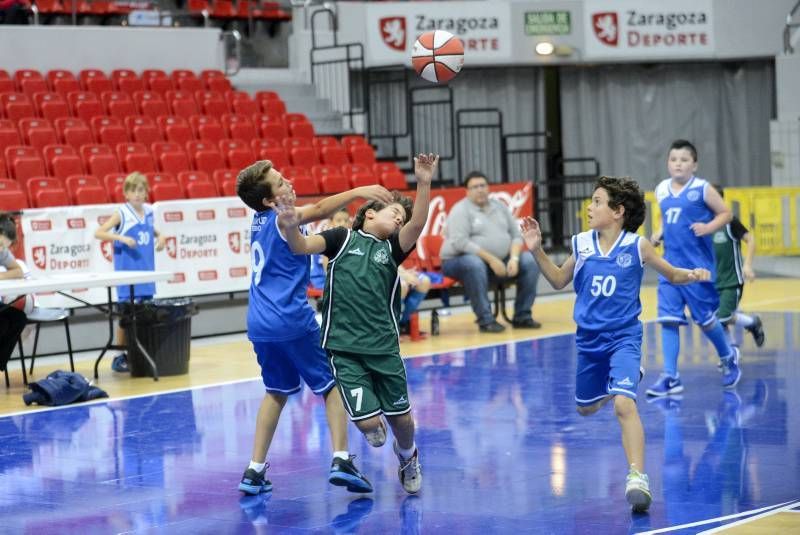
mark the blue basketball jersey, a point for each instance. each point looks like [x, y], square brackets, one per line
[317, 271]
[678, 211]
[278, 309]
[139, 258]
[607, 284]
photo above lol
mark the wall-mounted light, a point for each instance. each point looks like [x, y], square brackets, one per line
[545, 48]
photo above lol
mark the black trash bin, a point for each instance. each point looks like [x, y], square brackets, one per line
[164, 328]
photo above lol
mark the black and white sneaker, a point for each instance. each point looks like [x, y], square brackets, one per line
[255, 482]
[757, 330]
[345, 474]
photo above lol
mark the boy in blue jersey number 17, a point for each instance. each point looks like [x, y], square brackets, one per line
[281, 324]
[607, 264]
[131, 229]
[691, 212]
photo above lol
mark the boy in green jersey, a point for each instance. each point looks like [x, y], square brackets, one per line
[361, 311]
[732, 272]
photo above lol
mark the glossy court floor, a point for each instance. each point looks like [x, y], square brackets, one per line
[502, 449]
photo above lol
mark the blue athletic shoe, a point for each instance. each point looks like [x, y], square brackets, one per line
[255, 482]
[120, 363]
[731, 373]
[345, 474]
[665, 386]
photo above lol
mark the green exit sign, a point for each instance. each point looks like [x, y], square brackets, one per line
[547, 23]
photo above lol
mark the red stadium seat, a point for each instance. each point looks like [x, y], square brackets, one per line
[160, 178]
[273, 130]
[267, 95]
[175, 129]
[295, 118]
[16, 106]
[362, 154]
[12, 197]
[186, 80]
[264, 143]
[73, 131]
[8, 134]
[215, 80]
[157, 80]
[84, 189]
[349, 169]
[6, 83]
[143, 129]
[334, 156]
[47, 191]
[99, 160]
[324, 141]
[126, 80]
[37, 132]
[349, 141]
[166, 192]
[189, 181]
[30, 81]
[277, 155]
[205, 156]
[135, 157]
[109, 130]
[239, 127]
[224, 176]
[95, 80]
[85, 104]
[150, 103]
[290, 143]
[228, 188]
[237, 153]
[182, 103]
[273, 107]
[301, 129]
[114, 183]
[303, 156]
[361, 179]
[384, 167]
[62, 82]
[24, 162]
[211, 103]
[62, 161]
[207, 128]
[170, 157]
[394, 180]
[243, 106]
[51, 105]
[118, 104]
[334, 184]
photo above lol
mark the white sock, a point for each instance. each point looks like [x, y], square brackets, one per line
[407, 453]
[258, 467]
[743, 320]
[344, 455]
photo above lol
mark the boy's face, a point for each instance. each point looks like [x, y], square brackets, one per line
[383, 223]
[136, 195]
[601, 215]
[279, 185]
[681, 165]
[340, 219]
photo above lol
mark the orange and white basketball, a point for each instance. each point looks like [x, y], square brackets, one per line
[438, 56]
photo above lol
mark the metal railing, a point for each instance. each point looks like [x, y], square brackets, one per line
[789, 28]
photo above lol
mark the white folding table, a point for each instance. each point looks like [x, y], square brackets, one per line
[72, 281]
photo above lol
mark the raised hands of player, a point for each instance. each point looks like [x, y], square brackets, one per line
[375, 193]
[287, 213]
[531, 233]
[698, 275]
[425, 167]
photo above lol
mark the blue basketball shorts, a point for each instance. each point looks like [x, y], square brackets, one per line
[284, 363]
[701, 298]
[608, 363]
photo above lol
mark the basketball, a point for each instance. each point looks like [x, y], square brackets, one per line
[438, 56]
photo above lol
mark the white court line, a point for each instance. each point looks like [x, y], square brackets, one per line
[718, 519]
[750, 519]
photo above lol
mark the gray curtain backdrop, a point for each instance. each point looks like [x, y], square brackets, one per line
[627, 115]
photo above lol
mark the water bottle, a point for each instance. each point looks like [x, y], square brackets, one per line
[434, 323]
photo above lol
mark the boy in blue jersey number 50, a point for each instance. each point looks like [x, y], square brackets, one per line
[281, 324]
[607, 264]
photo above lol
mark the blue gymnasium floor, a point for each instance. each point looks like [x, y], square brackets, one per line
[502, 450]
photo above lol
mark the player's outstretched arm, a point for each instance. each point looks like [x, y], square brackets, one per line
[288, 221]
[424, 169]
[558, 277]
[673, 274]
[104, 232]
[330, 205]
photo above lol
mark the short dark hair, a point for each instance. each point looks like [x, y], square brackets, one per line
[252, 185]
[720, 190]
[397, 198]
[8, 227]
[624, 191]
[679, 144]
[474, 174]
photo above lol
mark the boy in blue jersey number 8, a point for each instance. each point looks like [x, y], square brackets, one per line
[281, 323]
[691, 212]
[607, 264]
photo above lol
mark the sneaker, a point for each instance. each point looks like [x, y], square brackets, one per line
[757, 330]
[254, 482]
[345, 474]
[528, 323]
[377, 438]
[731, 373]
[493, 327]
[665, 386]
[637, 491]
[410, 471]
[120, 363]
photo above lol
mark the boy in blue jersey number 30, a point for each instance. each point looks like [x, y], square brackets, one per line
[607, 264]
[281, 324]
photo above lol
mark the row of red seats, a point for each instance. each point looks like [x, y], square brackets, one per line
[225, 9]
[23, 162]
[97, 8]
[62, 81]
[111, 130]
[86, 104]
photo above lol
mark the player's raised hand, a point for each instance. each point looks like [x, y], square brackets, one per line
[375, 193]
[699, 275]
[425, 167]
[531, 233]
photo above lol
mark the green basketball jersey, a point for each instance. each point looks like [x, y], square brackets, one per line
[361, 303]
[728, 254]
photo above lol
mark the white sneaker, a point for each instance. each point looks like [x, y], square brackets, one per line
[410, 471]
[637, 491]
[377, 438]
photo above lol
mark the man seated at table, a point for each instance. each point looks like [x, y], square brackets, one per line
[12, 319]
[482, 243]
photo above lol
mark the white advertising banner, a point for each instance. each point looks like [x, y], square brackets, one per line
[392, 28]
[636, 29]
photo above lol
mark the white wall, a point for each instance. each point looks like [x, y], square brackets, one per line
[787, 84]
[81, 47]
